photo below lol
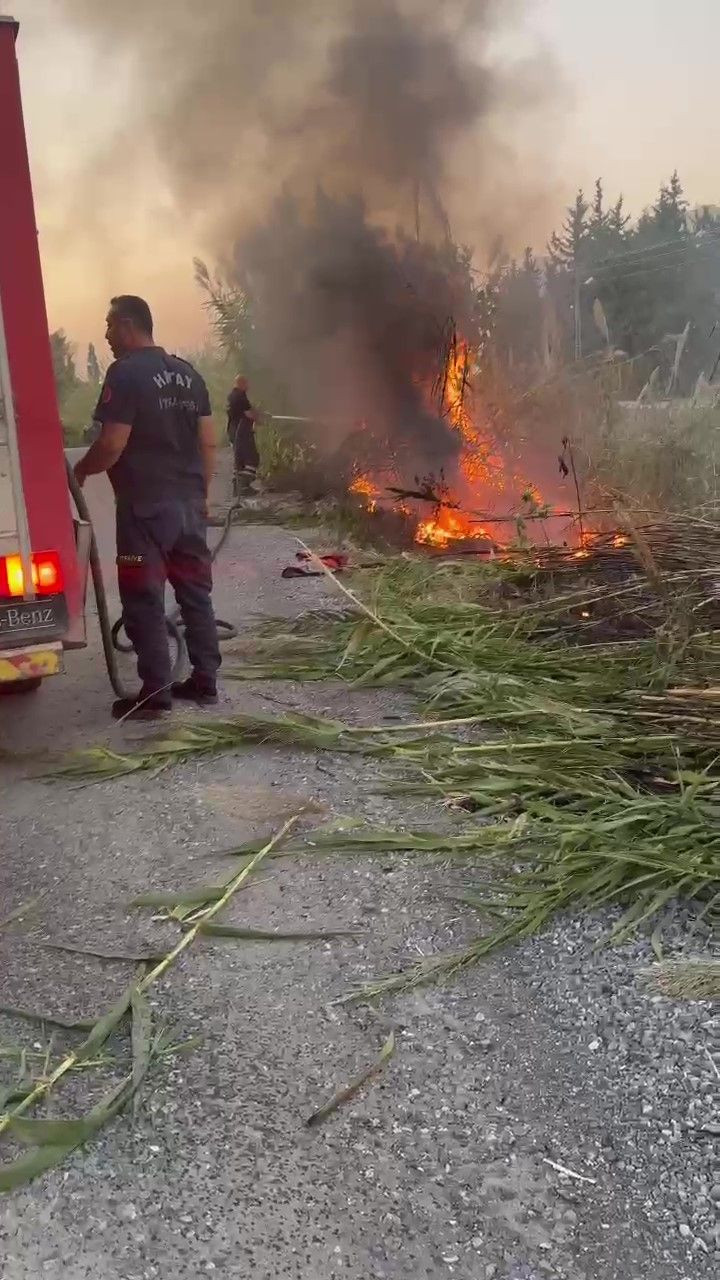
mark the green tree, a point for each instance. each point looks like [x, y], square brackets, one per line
[530, 266]
[569, 256]
[598, 216]
[93, 366]
[663, 282]
[76, 398]
[618, 221]
[63, 360]
[651, 279]
[607, 229]
[565, 246]
[518, 314]
[705, 218]
[237, 343]
[669, 216]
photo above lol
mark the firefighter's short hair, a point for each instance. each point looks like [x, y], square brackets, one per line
[129, 307]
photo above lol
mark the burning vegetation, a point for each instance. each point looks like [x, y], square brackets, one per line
[446, 513]
[323, 155]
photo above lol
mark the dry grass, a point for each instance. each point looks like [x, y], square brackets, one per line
[694, 978]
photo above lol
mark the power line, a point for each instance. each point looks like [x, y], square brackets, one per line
[623, 254]
[693, 246]
[671, 253]
[649, 269]
[680, 251]
[676, 258]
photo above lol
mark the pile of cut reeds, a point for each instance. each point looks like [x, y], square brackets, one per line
[42, 1142]
[589, 768]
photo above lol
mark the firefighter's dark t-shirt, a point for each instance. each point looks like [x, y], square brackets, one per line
[162, 398]
[236, 406]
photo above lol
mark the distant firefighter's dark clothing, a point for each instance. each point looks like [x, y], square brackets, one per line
[241, 431]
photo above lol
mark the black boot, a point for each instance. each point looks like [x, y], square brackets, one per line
[144, 707]
[195, 689]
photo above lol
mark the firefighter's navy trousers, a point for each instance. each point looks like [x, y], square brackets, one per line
[159, 542]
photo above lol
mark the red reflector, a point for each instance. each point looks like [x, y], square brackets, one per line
[47, 574]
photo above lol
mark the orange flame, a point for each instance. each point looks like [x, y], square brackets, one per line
[480, 467]
[363, 485]
[478, 464]
[447, 526]
[456, 375]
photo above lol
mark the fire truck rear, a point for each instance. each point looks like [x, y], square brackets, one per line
[43, 551]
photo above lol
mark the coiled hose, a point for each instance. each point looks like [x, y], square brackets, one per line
[109, 632]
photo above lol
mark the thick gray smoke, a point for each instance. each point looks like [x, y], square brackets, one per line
[360, 324]
[324, 150]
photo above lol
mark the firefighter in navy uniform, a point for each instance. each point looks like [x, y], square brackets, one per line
[241, 419]
[157, 444]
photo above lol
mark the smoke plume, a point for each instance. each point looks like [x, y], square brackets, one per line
[326, 152]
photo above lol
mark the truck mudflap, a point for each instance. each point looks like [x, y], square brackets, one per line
[75, 636]
[30, 663]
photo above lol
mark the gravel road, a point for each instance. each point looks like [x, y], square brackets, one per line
[548, 1057]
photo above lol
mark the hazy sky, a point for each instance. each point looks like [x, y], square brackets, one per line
[638, 99]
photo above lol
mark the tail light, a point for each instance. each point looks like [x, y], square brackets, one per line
[47, 574]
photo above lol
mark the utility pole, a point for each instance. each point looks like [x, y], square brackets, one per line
[578, 316]
[416, 203]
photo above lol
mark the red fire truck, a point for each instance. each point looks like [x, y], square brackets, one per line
[43, 551]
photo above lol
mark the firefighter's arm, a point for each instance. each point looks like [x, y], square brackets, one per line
[104, 453]
[208, 445]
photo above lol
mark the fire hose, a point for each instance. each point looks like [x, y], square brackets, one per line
[110, 632]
